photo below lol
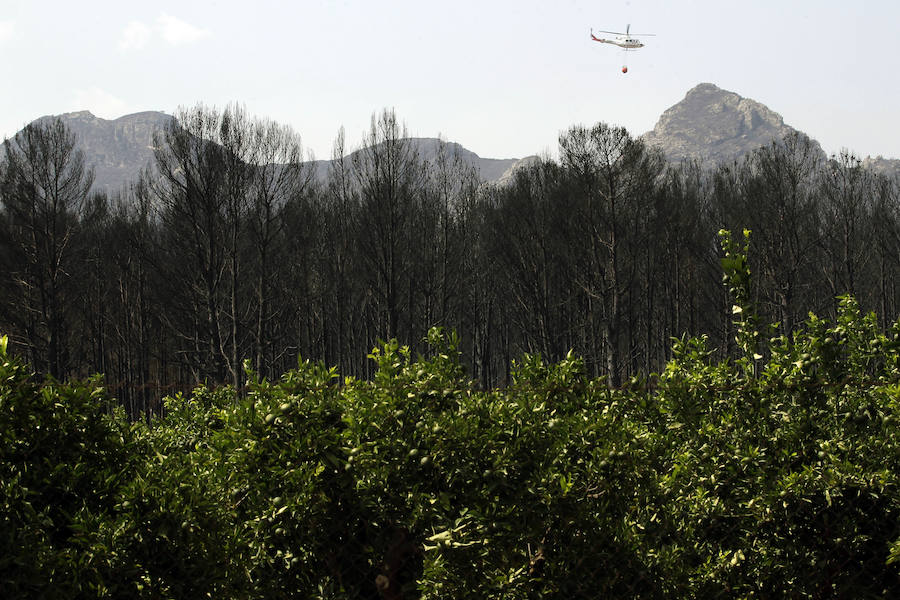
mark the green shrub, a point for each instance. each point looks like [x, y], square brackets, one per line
[771, 475]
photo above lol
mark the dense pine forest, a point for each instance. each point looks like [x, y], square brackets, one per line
[228, 248]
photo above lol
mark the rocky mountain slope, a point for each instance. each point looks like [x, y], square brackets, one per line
[885, 166]
[489, 169]
[715, 125]
[710, 124]
[118, 149]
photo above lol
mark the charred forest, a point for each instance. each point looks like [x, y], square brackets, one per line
[229, 252]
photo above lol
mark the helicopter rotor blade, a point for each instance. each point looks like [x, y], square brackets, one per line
[627, 32]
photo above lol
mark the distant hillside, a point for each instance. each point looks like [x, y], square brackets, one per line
[489, 169]
[885, 166]
[118, 149]
[715, 126]
[710, 124]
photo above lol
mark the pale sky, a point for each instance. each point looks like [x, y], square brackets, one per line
[501, 77]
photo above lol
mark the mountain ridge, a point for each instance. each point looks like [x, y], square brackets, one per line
[715, 125]
[710, 124]
[118, 149]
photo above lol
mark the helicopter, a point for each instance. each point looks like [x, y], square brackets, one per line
[627, 41]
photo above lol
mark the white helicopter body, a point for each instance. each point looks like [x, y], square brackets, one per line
[622, 41]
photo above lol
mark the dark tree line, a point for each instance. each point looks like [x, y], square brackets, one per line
[228, 249]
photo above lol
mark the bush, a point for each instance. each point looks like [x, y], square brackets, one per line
[770, 475]
[64, 461]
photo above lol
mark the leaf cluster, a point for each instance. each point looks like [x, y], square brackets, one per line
[707, 481]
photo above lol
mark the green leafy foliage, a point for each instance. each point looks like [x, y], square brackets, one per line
[701, 483]
[64, 462]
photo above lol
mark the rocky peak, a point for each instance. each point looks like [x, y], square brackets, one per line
[117, 149]
[715, 125]
[889, 167]
[81, 115]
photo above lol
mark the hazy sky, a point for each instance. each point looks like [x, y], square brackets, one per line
[501, 77]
